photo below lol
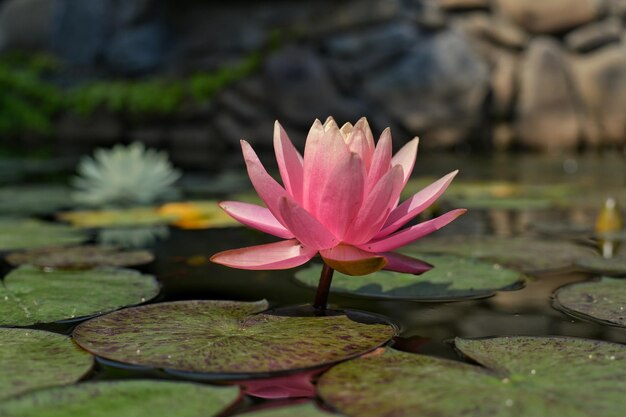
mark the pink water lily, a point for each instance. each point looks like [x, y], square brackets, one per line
[340, 200]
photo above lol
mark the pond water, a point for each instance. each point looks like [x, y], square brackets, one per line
[185, 273]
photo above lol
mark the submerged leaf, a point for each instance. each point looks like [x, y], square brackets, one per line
[32, 359]
[30, 295]
[226, 337]
[527, 376]
[137, 398]
[603, 300]
[30, 234]
[451, 278]
[88, 256]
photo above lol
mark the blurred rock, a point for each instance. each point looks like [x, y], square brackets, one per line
[547, 115]
[436, 89]
[601, 79]
[548, 16]
[302, 89]
[429, 15]
[493, 29]
[504, 84]
[594, 35]
[26, 24]
[193, 147]
[350, 14]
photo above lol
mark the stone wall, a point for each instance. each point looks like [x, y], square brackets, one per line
[547, 75]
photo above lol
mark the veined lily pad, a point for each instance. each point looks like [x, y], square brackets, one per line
[603, 300]
[88, 256]
[300, 410]
[31, 234]
[29, 199]
[138, 398]
[452, 278]
[525, 254]
[526, 376]
[615, 267]
[32, 359]
[226, 337]
[30, 295]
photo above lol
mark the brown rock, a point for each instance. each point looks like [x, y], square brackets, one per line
[601, 79]
[547, 112]
[504, 84]
[494, 29]
[353, 13]
[594, 35]
[548, 16]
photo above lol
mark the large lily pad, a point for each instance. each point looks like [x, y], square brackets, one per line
[300, 410]
[525, 254]
[452, 278]
[526, 376]
[32, 359]
[30, 295]
[138, 398]
[226, 337]
[31, 234]
[198, 215]
[614, 267]
[88, 256]
[603, 300]
[33, 199]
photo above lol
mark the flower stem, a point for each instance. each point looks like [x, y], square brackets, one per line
[323, 288]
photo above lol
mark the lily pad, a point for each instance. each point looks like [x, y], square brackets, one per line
[33, 199]
[452, 278]
[128, 217]
[226, 337]
[88, 256]
[525, 254]
[603, 300]
[30, 295]
[300, 410]
[614, 267]
[31, 234]
[33, 359]
[138, 398]
[524, 376]
[198, 215]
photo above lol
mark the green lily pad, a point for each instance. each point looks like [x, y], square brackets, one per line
[603, 300]
[31, 234]
[33, 199]
[138, 398]
[300, 410]
[30, 295]
[614, 267]
[525, 254]
[452, 278]
[88, 256]
[127, 217]
[524, 376]
[33, 359]
[226, 337]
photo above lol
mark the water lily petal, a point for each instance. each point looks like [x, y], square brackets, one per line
[324, 149]
[351, 260]
[406, 236]
[381, 161]
[342, 196]
[257, 217]
[406, 211]
[290, 163]
[266, 187]
[376, 207]
[305, 227]
[405, 264]
[406, 157]
[361, 142]
[279, 255]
